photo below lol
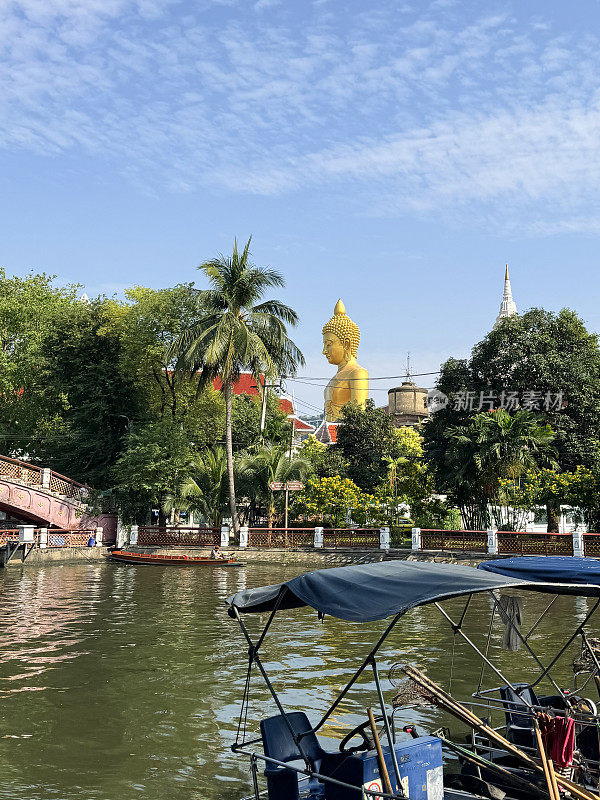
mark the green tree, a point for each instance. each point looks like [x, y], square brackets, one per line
[409, 483]
[155, 462]
[366, 440]
[236, 332]
[94, 403]
[246, 422]
[30, 307]
[205, 488]
[149, 323]
[579, 488]
[325, 462]
[484, 450]
[266, 465]
[550, 354]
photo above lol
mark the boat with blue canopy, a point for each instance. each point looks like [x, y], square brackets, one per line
[516, 755]
[557, 569]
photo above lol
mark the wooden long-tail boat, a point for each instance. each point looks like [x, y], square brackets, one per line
[131, 557]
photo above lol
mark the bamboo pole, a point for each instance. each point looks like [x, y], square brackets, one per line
[441, 698]
[555, 788]
[544, 759]
[382, 766]
[480, 761]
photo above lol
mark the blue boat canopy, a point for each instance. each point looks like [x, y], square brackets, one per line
[367, 592]
[553, 569]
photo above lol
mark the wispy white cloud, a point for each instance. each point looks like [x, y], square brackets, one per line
[415, 111]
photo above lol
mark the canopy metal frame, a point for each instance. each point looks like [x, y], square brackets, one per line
[371, 661]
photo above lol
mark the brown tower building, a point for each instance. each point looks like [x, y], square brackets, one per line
[406, 404]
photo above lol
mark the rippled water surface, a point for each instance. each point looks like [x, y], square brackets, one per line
[118, 682]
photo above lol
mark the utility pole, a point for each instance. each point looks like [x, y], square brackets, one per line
[263, 406]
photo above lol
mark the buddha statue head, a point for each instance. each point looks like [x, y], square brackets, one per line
[341, 337]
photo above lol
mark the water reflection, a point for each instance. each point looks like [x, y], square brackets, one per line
[118, 681]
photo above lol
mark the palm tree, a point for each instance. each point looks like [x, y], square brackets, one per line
[268, 465]
[492, 446]
[236, 332]
[205, 489]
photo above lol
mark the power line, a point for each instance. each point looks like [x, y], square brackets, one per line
[303, 378]
[346, 380]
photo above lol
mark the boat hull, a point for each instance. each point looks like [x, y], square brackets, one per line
[126, 557]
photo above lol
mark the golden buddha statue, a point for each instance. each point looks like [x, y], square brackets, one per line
[340, 346]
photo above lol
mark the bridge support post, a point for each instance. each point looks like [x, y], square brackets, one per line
[26, 534]
[43, 538]
[45, 478]
[99, 536]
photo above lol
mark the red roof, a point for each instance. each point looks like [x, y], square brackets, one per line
[285, 404]
[246, 384]
[299, 424]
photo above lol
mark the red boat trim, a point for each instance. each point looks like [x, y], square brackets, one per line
[146, 558]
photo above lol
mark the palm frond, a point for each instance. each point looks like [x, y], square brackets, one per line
[278, 310]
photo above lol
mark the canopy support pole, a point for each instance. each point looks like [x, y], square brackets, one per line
[255, 658]
[487, 647]
[476, 649]
[529, 649]
[386, 723]
[357, 674]
[541, 617]
[578, 631]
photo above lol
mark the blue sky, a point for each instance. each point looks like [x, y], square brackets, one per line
[396, 154]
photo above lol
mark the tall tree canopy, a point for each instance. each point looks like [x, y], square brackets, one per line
[237, 330]
[537, 355]
[541, 362]
[30, 308]
[367, 440]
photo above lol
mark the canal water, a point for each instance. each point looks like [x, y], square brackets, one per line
[119, 682]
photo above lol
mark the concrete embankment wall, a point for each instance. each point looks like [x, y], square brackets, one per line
[60, 555]
[312, 559]
[317, 558]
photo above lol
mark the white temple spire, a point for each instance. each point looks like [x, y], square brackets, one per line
[508, 307]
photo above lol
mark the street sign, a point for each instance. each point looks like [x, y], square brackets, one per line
[290, 486]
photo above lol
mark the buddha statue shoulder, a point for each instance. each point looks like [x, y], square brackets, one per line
[350, 384]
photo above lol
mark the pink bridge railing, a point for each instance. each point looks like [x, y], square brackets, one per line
[57, 537]
[48, 480]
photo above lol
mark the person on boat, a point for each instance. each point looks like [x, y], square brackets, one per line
[216, 552]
